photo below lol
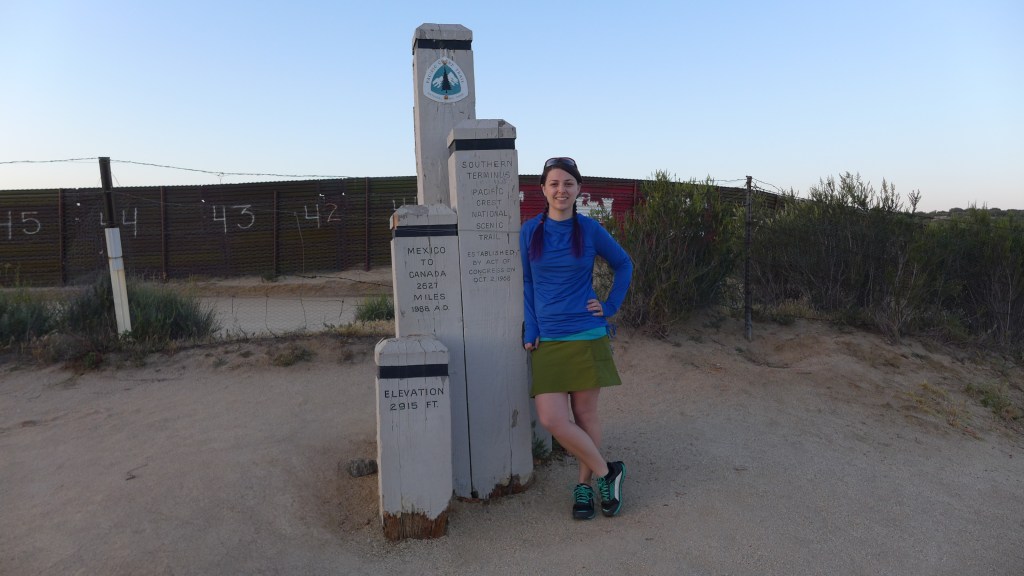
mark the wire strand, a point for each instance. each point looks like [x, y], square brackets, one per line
[44, 161]
[226, 173]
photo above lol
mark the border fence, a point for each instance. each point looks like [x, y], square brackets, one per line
[845, 252]
[55, 237]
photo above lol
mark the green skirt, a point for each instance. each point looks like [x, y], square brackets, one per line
[572, 365]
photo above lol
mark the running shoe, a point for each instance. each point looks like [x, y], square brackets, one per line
[610, 487]
[583, 506]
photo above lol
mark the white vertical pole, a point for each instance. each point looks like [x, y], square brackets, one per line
[117, 280]
[115, 257]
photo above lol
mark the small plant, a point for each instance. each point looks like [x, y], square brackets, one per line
[24, 316]
[91, 360]
[936, 401]
[995, 397]
[374, 328]
[289, 355]
[541, 450]
[379, 307]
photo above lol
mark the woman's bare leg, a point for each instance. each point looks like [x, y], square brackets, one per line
[553, 413]
[584, 412]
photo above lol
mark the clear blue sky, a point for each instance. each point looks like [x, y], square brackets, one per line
[928, 95]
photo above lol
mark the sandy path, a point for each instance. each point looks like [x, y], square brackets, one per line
[808, 451]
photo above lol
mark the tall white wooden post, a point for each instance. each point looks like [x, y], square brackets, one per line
[428, 300]
[442, 70]
[484, 172]
[413, 431]
[115, 256]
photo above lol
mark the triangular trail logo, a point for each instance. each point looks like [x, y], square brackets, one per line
[445, 82]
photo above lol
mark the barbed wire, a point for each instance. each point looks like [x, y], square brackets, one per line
[778, 189]
[219, 173]
[345, 278]
[226, 173]
[44, 161]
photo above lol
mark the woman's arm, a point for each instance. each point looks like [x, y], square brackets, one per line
[620, 263]
[531, 331]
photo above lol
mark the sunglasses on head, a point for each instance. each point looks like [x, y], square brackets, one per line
[560, 160]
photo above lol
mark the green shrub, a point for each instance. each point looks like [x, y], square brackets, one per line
[848, 251]
[158, 315]
[858, 256]
[995, 397]
[289, 354]
[684, 242]
[981, 263]
[90, 314]
[24, 316]
[379, 307]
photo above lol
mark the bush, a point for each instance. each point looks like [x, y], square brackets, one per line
[158, 315]
[980, 264]
[849, 251]
[379, 307]
[24, 316]
[855, 254]
[90, 314]
[684, 242]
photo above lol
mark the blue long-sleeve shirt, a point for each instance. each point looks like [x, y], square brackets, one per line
[556, 287]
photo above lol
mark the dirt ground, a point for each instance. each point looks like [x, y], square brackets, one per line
[809, 450]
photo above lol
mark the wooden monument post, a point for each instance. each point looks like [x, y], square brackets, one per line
[442, 70]
[484, 172]
[413, 430]
[457, 278]
[428, 301]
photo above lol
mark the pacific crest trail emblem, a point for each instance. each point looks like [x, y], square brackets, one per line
[445, 82]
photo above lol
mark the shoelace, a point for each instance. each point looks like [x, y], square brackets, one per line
[582, 494]
[605, 488]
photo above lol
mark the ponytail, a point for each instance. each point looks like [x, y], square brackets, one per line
[577, 234]
[537, 240]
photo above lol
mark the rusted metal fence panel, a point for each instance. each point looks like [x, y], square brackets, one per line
[140, 214]
[55, 237]
[612, 194]
[30, 237]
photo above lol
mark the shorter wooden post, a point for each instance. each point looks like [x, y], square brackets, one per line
[414, 447]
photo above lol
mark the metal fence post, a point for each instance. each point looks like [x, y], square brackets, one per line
[747, 302]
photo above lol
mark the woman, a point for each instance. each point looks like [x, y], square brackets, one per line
[565, 329]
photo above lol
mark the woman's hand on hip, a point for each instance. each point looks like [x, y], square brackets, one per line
[595, 307]
[531, 346]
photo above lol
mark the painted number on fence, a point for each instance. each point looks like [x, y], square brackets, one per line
[134, 222]
[245, 215]
[27, 224]
[314, 214]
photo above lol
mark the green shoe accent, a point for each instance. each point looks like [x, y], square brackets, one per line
[610, 488]
[583, 506]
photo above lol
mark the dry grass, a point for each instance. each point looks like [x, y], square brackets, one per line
[939, 402]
